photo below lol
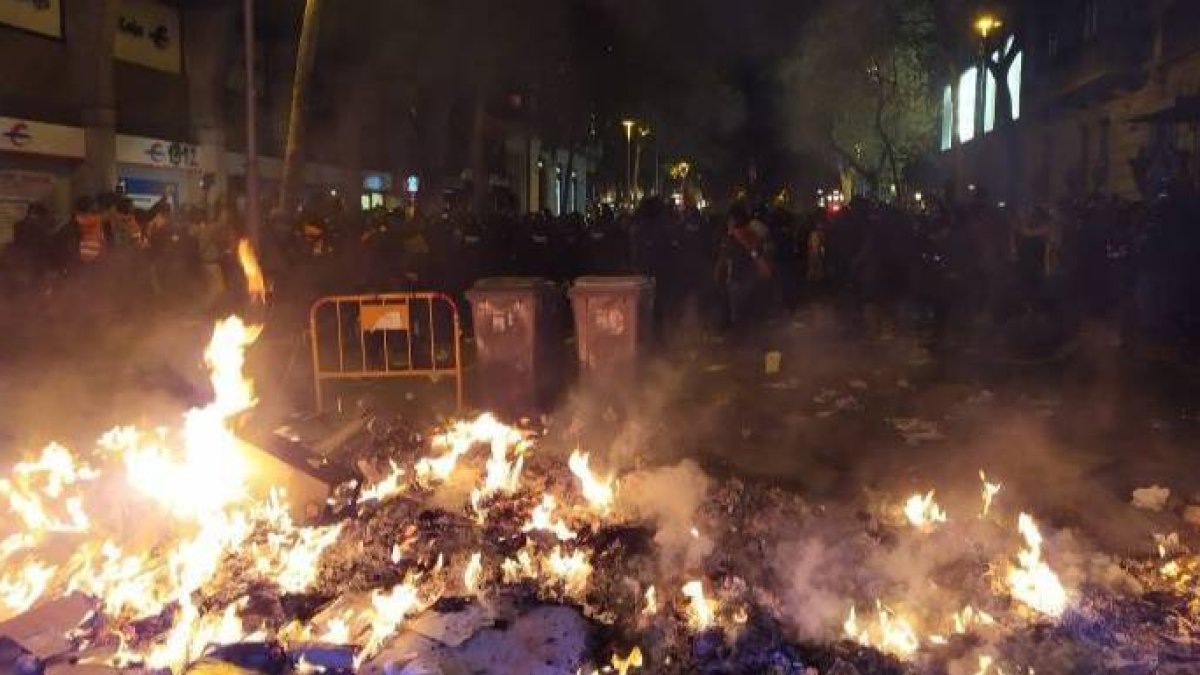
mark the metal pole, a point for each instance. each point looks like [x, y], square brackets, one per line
[629, 164]
[657, 169]
[252, 213]
[981, 89]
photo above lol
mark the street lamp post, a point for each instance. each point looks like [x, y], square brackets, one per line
[985, 25]
[251, 128]
[629, 124]
[637, 162]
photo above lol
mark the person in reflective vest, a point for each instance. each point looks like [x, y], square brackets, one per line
[92, 241]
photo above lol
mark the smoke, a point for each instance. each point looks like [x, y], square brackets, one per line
[670, 497]
[855, 427]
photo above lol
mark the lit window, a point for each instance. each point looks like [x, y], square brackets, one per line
[966, 105]
[1014, 85]
[947, 117]
[989, 102]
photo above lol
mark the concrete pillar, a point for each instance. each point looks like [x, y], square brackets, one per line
[208, 46]
[91, 27]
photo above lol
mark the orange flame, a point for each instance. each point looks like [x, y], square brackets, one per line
[255, 284]
[1031, 580]
[597, 491]
[701, 610]
[624, 665]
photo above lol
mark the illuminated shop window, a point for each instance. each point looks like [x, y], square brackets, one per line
[966, 105]
[947, 117]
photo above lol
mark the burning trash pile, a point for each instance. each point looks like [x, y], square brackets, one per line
[479, 549]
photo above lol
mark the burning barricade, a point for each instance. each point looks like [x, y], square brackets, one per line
[480, 550]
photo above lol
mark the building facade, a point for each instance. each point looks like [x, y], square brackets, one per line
[1100, 93]
[147, 97]
[134, 96]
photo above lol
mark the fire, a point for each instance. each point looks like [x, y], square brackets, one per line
[986, 664]
[923, 512]
[37, 485]
[464, 435]
[990, 490]
[892, 634]
[473, 573]
[20, 590]
[969, 618]
[503, 473]
[193, 633]
[573, 570]
[212, 472]
[624, 665]
[520, 568]
[598, 492]
[255, 284]
[701, 610]
[290, 557]
[540, 519]
[388, 611]
[337, 631]
[1032, 581]
[385, 488]
[651, 607]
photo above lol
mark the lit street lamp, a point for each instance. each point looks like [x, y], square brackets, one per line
[985, 25]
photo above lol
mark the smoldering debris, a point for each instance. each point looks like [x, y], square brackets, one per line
[573, 565]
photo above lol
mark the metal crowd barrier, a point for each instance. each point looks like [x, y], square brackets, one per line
[385, 336]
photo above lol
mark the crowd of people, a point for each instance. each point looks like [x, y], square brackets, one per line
[113, 256]
[936, 269]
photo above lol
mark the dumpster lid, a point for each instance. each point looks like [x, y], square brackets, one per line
[613, 283]
[508, 283]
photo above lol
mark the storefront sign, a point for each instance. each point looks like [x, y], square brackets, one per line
[145, 193]
[377, 182]
[412, 185]
[148, 35]
[40, 138]
[164, 154]
[43, 17]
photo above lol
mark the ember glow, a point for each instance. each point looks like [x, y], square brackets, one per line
[473, 572]
[922, 512]
[598, 492]
[390, 485]
[651, 598]
[701, 610]
[573, 570]
[627, 664]
[889, 633]
[1031, 580]
[388, 610]
[990, 490]
[542, 520]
